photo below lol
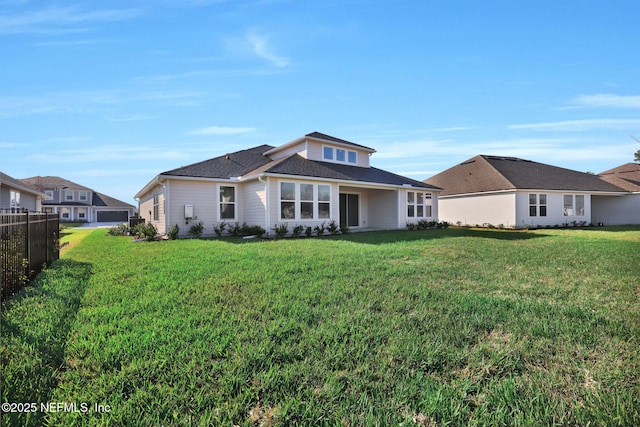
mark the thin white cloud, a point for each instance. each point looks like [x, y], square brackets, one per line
[580, 125]
[56, 19]
[106, 153]
[607, 101]
[261, 46]
[221, 130]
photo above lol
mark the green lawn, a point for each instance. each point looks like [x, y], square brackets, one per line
[422, 328]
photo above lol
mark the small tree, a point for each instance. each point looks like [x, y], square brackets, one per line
[637, 155]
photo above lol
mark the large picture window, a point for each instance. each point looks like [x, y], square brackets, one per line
[573, 205]
[304, 201]
[419, 204]
[227, 202]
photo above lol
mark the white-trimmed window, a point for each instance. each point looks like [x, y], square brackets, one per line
[82, 196]
[339, 155]
[227, 202]
[537, 205]
[49, 194]
[573, 205]
[82, 213]
[419, 204]
[65, 213]
[68, 196]
[14, 199]
[304, 201]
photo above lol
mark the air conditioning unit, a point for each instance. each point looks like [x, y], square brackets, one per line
[188, 211]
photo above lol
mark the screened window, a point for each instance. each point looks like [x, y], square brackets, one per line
[543, 204]
[82, 196]
[68, 195]
[579, 205]
[306, 201]
[324, 201]
[49, 193]
[227, 202]
[156, 207]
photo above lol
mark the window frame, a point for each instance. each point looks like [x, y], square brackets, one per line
[234, 203]
[578, 205]
[14, 199]
[339, 155]
[86, 196]
[156, 207]
[68, 193]
[538, 208]
[419, 204]
[298, 203]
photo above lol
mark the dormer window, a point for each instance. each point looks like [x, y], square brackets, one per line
[339, 155]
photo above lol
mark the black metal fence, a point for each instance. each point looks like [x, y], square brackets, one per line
[28, 241]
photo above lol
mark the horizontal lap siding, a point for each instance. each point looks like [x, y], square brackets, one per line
[555, 210]
[254, 199]
[616, 210]
[492, 209]
[202, 196]
[383, 209]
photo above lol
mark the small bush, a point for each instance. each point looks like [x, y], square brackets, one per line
[119, 230]
[173, 231]
[147, 231]
[333, 227]
[235, 230]
[196, 230]
[254, 230]
[281, 230]
[344, 229]
[297, 230]
[219, 229]
[308, 231]
[319, 229]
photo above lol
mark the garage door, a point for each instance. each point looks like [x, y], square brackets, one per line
[113, 216]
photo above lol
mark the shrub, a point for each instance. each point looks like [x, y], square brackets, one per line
[297, 230]
[344, 229]
[196, 230]
[147, 231]
[308, 231]
[319, 229]
[219, 229]
[235, 230]
[281, 230]
[333, 227]
[254, 230]
[119, 230]
[173, 231]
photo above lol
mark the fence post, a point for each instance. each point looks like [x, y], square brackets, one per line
[28, 245]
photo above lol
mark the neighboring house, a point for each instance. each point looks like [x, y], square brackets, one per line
[16, 196]
[517, 193]
[77, 203]
[620, 210]
[312, 180]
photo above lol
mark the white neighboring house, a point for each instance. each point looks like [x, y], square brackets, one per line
[77, 203]
[620, 210]
[311, 180]
[518, 193]
[16, 196]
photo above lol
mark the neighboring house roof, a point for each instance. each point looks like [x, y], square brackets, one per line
[227, 166]
[48, 182]
[20, 185]
[98, 199]
[484, 173]
[625, 176]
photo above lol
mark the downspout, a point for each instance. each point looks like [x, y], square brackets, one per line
[266, 203]
[166, 217]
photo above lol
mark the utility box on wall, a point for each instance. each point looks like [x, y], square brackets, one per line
[188, 211]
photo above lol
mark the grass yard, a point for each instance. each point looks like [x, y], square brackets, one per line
[423, 328]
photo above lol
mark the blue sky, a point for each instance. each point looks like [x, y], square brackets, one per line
[110, 93]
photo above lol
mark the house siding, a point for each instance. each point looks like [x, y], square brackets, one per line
[616, 210]
[555, 209]
[202, 195]
[472, 210]
[254, 199]
[27, 200]
[384, 209]
[146, 209]
[300, 149]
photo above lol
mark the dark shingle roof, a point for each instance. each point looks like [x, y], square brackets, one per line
[626, 176]
[493, 173]
[227, 166]
[100, 199]
[50, 182]
[299, 166]
[18, 183]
